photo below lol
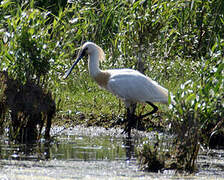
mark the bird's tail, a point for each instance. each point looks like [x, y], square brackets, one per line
[164, 96]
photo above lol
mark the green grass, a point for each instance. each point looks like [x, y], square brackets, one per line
[178, 41]
[174, 39]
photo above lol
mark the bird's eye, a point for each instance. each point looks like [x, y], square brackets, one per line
[84, 51]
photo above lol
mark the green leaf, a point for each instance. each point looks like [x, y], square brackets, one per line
[135, 5]
[196, 107]
[102, 7]
[214, 47]
[9, 57]
[190, 97]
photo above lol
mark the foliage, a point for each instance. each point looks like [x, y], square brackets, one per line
[2, 105]
[178, 43]
[25, 52]
[151, 157]
[199, 112]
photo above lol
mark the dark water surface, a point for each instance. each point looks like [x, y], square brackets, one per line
[92, 153]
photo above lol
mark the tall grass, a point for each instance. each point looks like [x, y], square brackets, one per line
[177, 43]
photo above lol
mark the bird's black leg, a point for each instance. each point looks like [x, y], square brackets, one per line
[131, 119]
[155, 109]
[127, 128]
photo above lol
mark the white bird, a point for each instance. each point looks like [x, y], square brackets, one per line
[128, 84]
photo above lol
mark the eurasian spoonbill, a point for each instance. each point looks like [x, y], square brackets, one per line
[128, 84]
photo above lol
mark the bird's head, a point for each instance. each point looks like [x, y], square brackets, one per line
[88, 48]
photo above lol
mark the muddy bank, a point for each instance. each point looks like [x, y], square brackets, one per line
[25, 109]
[94, 153]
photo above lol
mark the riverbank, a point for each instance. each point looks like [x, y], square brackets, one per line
[94, 153]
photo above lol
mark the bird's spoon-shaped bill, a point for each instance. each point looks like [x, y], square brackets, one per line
[70, 70]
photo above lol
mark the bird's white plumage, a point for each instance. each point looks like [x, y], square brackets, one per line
[129, 85]
[132, 86]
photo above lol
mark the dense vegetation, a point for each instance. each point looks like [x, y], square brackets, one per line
[178, 43]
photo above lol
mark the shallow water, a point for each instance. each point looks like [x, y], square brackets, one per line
[92, 153]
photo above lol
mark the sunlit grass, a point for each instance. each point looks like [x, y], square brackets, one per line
[178, 41]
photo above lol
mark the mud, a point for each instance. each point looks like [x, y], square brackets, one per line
[94, 153]
[28, 105]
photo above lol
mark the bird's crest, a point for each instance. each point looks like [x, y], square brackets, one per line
[101, 53]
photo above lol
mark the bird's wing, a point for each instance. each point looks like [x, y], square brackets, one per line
[136, 87]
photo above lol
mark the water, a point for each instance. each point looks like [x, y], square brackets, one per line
[92, 153]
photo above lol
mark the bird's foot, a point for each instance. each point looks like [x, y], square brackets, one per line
[127, 129]
[134, 122]
[130, 123]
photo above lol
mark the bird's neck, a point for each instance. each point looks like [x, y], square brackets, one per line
[94, 69]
